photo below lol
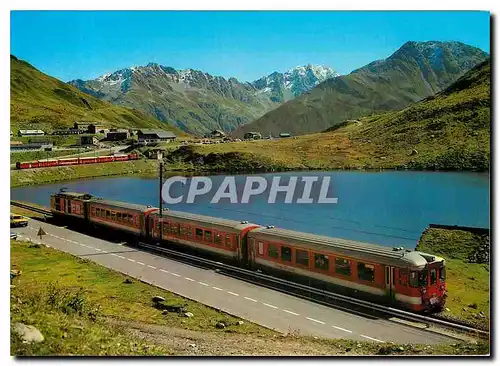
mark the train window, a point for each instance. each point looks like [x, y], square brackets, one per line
[366, 272]
[413, 279]
[403, 276]
[108, 215]
[261, 248]
[302, 257]
[199, 234]
[182, 230]
[433, 276]
[113, 215]
[166, 228]
[343, 266]
[228, 241]
[422, 278]
[442, 273]
[189, 232]
[119, 216]
[218, 239]
[321, 261]
[286, 254]
[208, 236]
[272, 250]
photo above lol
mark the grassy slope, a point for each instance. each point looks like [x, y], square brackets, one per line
[83, 308]
[404, 78]
[449, 131]
[39, 101]
[468, 283]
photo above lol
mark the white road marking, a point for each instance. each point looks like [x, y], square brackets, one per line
[142, 264]
[175, 274]
[119, 256]
[189, 279]
[271, 306]
[232, 293]
[339, 328]
[373, 339]
[315, 320]
[203, 283]
[249, 298]
[132, 260]
[150, 266]
[290, 312]
[216, 288]
[164, 270]
[99, 250]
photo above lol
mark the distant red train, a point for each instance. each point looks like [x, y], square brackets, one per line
[408, 278]
[74, 161]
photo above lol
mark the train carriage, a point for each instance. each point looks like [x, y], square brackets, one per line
[124, 216]
[70, 204]
[414, 279]
[211, 234]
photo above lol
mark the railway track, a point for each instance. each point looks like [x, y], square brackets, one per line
[296, 289]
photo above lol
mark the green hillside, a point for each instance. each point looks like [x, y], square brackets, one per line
[39, 101]
[415, 71]
[449, 131]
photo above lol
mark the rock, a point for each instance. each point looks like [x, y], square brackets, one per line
[158, 299]
[401, 349]
[414, 152]
[188, 314]
[464, 309]
[220, 325]
[472, 306]
[192, 345]
[128, 280]
[240, 322]
[447, 309]
[28, 333]
[165, 312]
[14, 273]
[348, 349]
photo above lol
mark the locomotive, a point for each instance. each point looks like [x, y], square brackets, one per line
[405, 278]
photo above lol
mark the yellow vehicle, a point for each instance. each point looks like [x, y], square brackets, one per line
[17, 220]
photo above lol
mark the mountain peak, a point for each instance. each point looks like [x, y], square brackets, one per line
[296, 81]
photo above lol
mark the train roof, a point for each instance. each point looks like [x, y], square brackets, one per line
[79, 195]
[126, 205]
[235, 224]
[399, 257]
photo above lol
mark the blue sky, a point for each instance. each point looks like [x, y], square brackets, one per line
[246, 45]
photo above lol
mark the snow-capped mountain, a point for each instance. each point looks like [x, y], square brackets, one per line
[196, 101]
[281, 87]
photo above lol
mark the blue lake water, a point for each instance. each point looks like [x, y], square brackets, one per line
[388, 208]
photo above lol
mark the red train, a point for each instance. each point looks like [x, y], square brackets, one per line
[75, 161]
[410, 279]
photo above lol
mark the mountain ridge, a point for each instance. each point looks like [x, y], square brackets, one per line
[414, 71]
[40, 101]
[196, 101]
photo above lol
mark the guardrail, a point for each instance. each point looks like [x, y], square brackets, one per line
[333, 296]
[275, 282]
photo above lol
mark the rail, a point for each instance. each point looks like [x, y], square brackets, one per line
[274, 282]
[31, 208]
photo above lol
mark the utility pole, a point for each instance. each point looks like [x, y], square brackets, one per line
[160, 158]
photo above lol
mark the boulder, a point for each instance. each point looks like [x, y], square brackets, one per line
[188, 314]
[28, 333]
[128, 281]
[158, 299]
[220, 325]
[240, 322]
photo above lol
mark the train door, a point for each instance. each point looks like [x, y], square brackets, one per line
[389, 282]
[251, 252]
[238, 246]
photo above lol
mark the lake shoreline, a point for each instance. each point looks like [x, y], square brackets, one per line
[149, 168]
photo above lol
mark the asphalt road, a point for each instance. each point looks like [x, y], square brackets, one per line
[270, 308]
